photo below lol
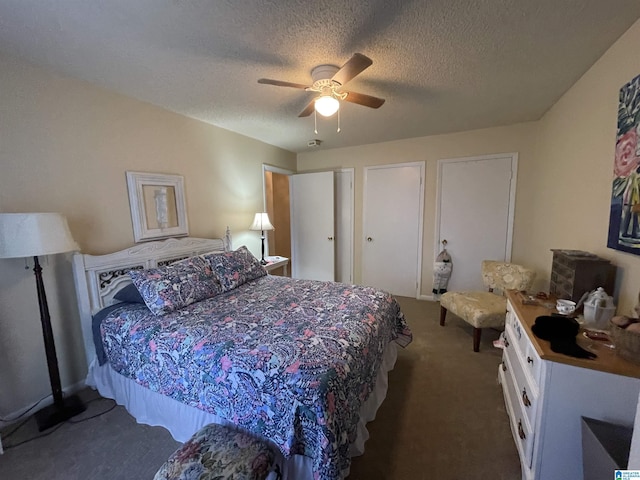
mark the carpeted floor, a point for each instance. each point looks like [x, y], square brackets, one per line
[443, 417]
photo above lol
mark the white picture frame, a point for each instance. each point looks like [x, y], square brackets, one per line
[158, 207]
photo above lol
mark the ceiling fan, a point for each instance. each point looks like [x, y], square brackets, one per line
[328, 81]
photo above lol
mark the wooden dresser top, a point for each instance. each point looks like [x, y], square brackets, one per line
[607, 361]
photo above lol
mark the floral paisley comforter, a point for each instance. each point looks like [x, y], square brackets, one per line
[292, 360]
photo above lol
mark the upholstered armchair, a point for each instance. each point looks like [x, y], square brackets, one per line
[487, 309]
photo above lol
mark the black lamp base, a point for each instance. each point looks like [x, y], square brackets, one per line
[53, 415]
[263, 261]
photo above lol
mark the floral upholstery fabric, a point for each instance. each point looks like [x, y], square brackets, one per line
[219, 452]
[480, 309]
[235, 268]
[169, 288]
[486, 309]
[289, 360]
[506, 276]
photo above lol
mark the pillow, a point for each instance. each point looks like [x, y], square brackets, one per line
[171, 287]
[235, 268]
[129, 294]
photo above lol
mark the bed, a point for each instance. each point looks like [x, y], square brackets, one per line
[301, 363]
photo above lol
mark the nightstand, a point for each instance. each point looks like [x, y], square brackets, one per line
[274, 262]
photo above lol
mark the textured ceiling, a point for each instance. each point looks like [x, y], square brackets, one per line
[441, 65]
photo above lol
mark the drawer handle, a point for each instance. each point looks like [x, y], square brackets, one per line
[521, 433]
[525, 398]
[504, 367]
[530, 360]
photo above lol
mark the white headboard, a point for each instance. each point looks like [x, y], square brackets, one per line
[99, 277]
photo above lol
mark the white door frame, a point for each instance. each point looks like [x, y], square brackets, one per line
[512, 196]
[421, 165]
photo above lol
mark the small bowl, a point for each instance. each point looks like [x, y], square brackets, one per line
[565, 307]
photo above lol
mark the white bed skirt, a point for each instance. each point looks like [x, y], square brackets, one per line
[183, 421]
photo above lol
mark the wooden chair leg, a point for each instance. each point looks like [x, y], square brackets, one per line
[477, 333]
[443, 314]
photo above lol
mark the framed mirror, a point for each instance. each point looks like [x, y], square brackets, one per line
[158, 206]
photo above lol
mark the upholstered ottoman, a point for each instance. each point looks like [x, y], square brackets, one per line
[218, 452]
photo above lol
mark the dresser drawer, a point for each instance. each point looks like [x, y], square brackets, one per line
[521, 430]
[525, 350]
[533, 364]
[518, 336]
[526, 388]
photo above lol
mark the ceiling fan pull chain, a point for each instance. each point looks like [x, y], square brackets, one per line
[338, 131]
[315, 122]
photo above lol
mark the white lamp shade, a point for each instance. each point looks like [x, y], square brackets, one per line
[326, 105]
[34, 234]
[261, 222]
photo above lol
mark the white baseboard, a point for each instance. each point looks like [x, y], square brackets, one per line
[429, 298]
[69, 390]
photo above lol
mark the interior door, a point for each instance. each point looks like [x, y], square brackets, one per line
[312, 218]
[344, 225]
[392, 227]
[476, 197]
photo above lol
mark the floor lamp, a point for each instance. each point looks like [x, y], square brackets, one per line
[33, 235]
[261, 222]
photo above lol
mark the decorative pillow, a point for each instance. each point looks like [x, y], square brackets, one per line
[129, 294]
[171, 287]
[235, 268]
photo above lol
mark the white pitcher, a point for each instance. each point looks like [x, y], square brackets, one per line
[598, 310]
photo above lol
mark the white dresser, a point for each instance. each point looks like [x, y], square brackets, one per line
[547, 393]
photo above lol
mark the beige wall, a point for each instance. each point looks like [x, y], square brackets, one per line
[571, 189]
[64, 147]
[516, 138]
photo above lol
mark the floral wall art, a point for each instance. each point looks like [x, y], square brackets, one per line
[624, 222]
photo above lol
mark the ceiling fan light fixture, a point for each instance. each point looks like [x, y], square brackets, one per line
[327, 105]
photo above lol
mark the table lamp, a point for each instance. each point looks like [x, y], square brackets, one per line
[261, 222]
[33, 235]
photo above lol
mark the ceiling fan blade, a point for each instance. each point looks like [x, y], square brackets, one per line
[308, 110]
[280, 83]
[362, 99]
[356, 64]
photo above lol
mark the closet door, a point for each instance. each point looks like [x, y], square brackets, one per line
[476, 197]
[392, 227]
[312, 219]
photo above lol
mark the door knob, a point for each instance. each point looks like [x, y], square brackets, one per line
[329, 238]
[369, 239]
